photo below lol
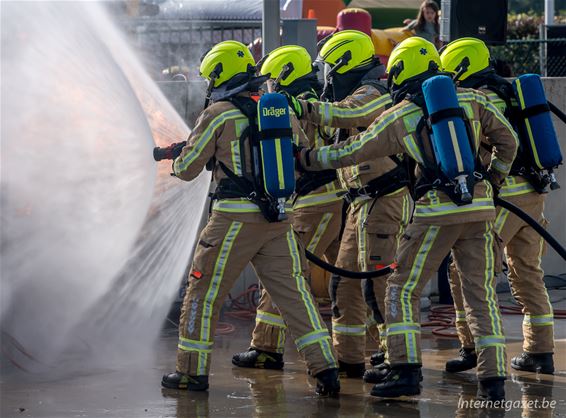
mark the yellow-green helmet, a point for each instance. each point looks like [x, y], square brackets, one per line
[410, 58]
[349, 49]
[287, 63]
[465, 56]
[225, 60]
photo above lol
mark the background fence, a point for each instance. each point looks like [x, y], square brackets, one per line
[520, 56]
[168, 42]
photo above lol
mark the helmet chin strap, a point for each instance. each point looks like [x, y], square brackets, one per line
[213, 76]
[461, 68]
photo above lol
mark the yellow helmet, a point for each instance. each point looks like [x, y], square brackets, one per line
[224, 60]
[410, 58]
[347, 49]
[465, 56]
[287, 63]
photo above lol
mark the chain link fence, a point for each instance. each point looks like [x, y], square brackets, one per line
[164, 43]
[539, 56]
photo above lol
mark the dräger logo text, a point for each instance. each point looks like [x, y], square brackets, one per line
[272, 111]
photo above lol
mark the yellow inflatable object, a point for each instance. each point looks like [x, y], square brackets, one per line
[385, 40]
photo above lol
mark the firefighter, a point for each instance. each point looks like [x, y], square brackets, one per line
[239, 231]
[469, 60]
[317, 211]
[379, 200]
[440, 222]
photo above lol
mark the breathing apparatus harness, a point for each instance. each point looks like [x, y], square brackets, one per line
[522, 165]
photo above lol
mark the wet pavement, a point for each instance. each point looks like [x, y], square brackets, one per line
[134, 391]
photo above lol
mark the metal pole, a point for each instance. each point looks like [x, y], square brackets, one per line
[549, 12]
[270, 26]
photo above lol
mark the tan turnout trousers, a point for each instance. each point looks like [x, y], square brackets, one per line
[228, 242]
[421, 252]
[318, 228]
[369, 242]
[524, 248]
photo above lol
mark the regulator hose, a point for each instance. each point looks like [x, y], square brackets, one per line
[534, 224]
[386, 270]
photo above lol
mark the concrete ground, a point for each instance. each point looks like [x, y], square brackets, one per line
[136, 392]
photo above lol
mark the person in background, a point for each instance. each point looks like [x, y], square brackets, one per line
[426, 24]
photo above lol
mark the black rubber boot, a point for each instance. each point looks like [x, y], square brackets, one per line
[377, 374]
[183, 381]
[377, 358]
[400, 381]
[492, 389]
[257, 359]
[328, 383]
[466, 361]
[536, 363]
[353, 371]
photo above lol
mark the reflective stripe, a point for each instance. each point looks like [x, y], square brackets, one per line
[461, 316]
[192, 345]
[422, 211]
[354, 330]
[300, 281]
[326, 154]
[214, 286]
[517, 189]
[181, 164]
[500, 220]
[489, 287]
[527, 123]
[318, 199]
[412, 149]
[489, 341]
[362, 238]
[363, 110]
[281, 340]
[539, 320]
[270, 319]
[320, 230]
[235, 206]
[326, 113]
[403, 328]
[405, 217]
[491, 299]
[312, 338]
[236, 159]
[500, 166]
[408, 288]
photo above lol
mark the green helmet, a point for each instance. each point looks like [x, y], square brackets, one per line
[348, 49]
[412, 57]
[465, 57]
[225, 60]
[287, 64]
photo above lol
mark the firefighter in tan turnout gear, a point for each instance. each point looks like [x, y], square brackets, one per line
[317, 211]
[469, 58]
[440, 223]
[380, 202]
[238, 232]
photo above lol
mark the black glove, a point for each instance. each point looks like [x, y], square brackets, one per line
[168, 153]
[297, 153]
